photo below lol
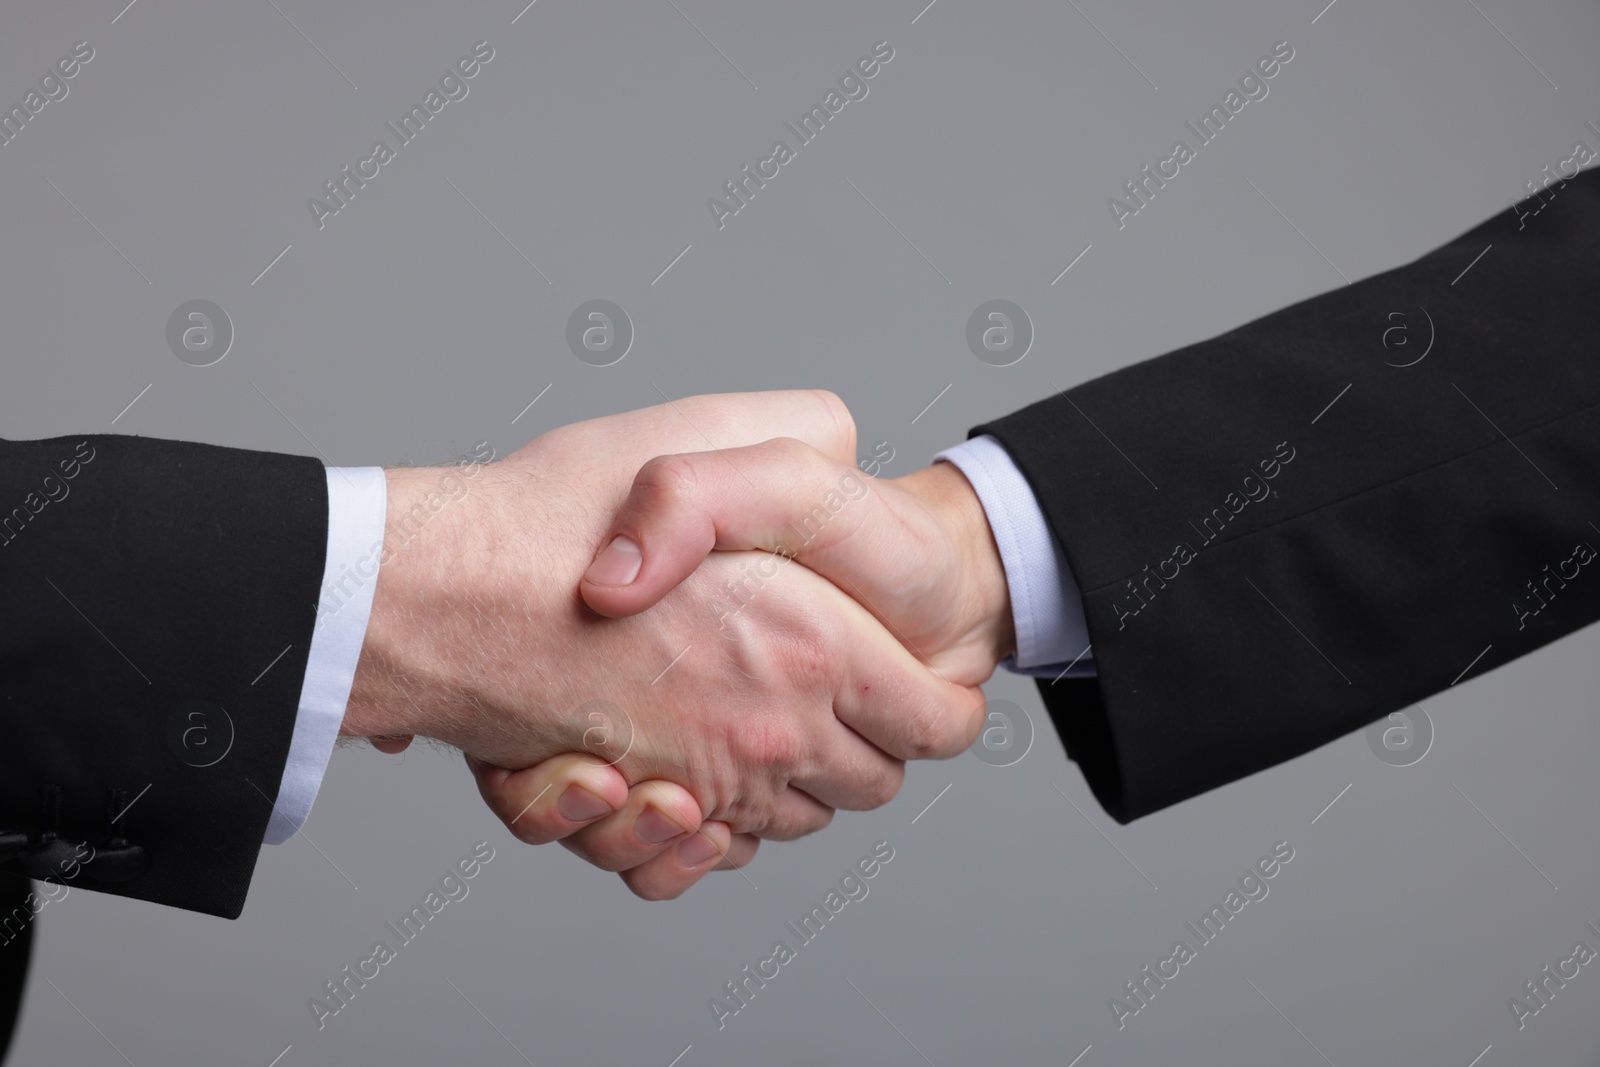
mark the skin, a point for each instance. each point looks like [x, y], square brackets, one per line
[917, 551]
[712, 727]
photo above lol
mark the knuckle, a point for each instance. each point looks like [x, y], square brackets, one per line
[805, 459]
[773, 744]
[669, 478]
[811, 822]
[839, 413]
[744, 816]
[930, 735]
[882, 788]
[780, 830]
[789, 448]
[790, 826]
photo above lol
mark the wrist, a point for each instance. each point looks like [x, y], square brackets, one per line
[985, 597]
[414, 674]
[375, 707]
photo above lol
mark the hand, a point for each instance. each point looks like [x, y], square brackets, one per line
[917, 551]
[533, 803]
[769, 719]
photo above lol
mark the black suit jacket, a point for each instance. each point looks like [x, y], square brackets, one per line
[147, 584]
[1315, 533]
[144, 588]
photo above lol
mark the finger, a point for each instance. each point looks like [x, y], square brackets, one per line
[740, 852]
[667, 875]
[938, 720]
[852, 773]
[391, 745]
[894, 701]
[720, 422]
[793, 814]
[780, 496]
[655, 816]
[723, 421]
[550, 800]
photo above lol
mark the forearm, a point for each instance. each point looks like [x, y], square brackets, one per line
[435, 660]
[160, 610]
[1333, 537]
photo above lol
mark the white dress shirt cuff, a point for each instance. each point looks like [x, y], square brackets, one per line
[1046, 607]
[357, 506]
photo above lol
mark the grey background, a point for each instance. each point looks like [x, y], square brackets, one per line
[409, 328]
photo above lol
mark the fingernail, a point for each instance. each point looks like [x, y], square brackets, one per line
[656, 828]
[618, 564]
[696, 849]
[580, 805]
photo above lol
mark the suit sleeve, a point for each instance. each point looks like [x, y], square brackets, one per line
[159, 600]
[1331, 512]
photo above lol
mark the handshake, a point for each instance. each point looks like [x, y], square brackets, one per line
[661, 636]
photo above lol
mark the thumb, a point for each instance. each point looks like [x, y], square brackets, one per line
[780, 496]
